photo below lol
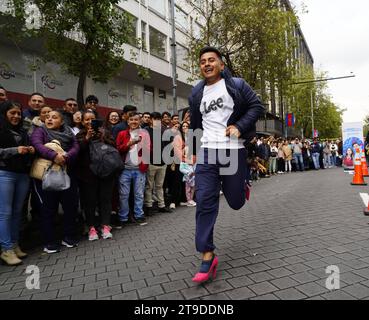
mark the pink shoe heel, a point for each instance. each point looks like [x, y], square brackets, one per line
[201, 277]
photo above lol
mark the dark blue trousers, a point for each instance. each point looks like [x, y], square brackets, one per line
[214, 172]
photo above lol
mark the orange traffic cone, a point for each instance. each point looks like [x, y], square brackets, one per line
[364, 165]
[358, 177]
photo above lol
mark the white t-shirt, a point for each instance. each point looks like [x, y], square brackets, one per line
[216, 108]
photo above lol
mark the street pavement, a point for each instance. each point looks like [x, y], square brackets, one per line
[277, 247]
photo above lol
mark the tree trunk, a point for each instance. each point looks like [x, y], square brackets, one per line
[81, 89]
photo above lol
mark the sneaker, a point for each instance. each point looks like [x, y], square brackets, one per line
[92, 235]
[106, 232]
[164, 210]
[121, 224]
[183, 204]
[191, 203]
[221, 192]
[69, 243]
[172, 206]
[141, 220]
[50, 249]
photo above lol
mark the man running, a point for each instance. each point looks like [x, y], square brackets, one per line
[226, 109]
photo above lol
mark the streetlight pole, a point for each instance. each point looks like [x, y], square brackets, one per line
[174, 55]
[311, 94]
[312, 113]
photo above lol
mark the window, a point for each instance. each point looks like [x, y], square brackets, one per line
[182, 19]
[158, 43]
[132, 32]
[182, 54]
[162, 94]
[158, 6]
[143, 35]
[196, 30]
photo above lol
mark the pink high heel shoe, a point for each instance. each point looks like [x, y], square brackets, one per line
[201, 277]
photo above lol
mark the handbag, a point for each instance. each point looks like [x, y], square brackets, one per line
[55, 180]
[40, 165]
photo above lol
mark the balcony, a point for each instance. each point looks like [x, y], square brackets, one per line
[268, 126]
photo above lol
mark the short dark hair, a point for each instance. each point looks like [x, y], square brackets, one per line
[156, 116]
[210, 49]
[70, 99]
[1, 87]
[132, 114]
[146, 113]
[37, 94]
[92, 98]
[175, 115]
[129, 108]
[166, 113]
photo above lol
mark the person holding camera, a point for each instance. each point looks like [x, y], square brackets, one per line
[95, 192]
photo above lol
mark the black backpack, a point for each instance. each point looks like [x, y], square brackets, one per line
[105, 159]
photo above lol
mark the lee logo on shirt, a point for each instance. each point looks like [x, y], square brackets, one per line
[214, 105]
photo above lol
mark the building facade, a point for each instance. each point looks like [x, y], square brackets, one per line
[23, 71]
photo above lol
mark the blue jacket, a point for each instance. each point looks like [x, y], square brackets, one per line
[247, 106]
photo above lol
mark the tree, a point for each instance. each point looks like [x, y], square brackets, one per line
[327, 116]
[256, 38]
[85, 37]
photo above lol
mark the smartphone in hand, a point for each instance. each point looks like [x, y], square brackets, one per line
[96, 125]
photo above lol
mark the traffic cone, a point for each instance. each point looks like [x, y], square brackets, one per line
[364, 165]
[358, 177]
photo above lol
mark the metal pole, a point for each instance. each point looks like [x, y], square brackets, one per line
[312, 113]
[174, 56]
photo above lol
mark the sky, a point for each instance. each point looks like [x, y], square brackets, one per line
[337, 33]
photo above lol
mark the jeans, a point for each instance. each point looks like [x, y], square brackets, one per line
[327, 160]
[13, 191]
[315, 157]
[273, 164]
[299, 161]
[209, 180]
[139, 180]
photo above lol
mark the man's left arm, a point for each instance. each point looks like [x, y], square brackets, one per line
[253, 106]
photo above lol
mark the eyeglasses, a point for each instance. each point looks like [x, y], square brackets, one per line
[92, 102]
[114, 117]
[72, 104]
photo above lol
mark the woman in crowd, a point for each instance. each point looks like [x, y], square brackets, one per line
[77, 122]
[273, 158]
[287, 151]
[15, 162]
[281, 165]
[95, 192]
[55, 129]
[112, 119]
[40, 120]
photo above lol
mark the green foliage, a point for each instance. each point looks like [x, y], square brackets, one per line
[327, 116]
[85, 37]
[256, 38]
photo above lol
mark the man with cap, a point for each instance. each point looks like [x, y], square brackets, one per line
[91, 103]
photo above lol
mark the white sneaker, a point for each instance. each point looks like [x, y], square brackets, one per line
[172, 206]
[183, 204]
[191, 203]
[221, 192]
